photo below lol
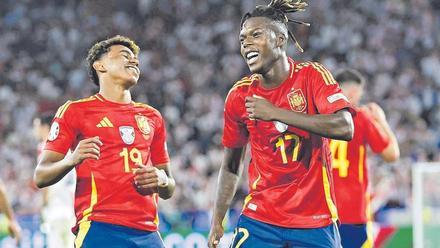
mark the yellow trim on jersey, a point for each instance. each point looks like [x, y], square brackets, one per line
[328, 78]
[325, 74]
[370, 239]
[99, 98]
[64, 107]
[242, 82]
[328, 196]
[156, 219]
[246, 201]
[301, 65]
[361, 163]
[93, 199]
[61, 109]
[254, 185]
[139, 104]
[83, 230]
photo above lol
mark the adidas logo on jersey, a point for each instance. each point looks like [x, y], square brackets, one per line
[105, 122]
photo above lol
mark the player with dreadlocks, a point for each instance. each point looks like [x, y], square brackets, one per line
[286, 110]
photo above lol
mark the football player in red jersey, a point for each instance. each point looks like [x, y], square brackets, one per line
[119, 154]
[350, 169]
[285, 111]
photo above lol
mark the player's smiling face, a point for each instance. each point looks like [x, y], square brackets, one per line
[122, 65]
[258, 44]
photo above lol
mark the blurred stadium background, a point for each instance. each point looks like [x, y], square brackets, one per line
[189, 60]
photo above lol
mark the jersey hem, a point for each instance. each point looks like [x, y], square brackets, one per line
[267, 221]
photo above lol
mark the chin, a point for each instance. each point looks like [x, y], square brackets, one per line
[255, 68]
[132, 81]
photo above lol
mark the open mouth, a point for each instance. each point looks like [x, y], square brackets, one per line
[252, 56]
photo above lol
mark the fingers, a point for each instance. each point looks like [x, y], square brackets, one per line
[214, 240]
[143, 169]
[146, 177]
[250, 99]
[213, 243]
[94, 140]
[250, 106]
[90, 148]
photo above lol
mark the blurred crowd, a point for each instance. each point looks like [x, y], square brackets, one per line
[189, 60]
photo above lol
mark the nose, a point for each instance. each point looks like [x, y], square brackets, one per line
[134, 61]
[245, 43]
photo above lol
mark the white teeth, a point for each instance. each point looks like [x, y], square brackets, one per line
[251, 54]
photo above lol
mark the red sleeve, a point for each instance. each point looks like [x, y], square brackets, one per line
[159, 152]
[376, 139]
[327, 95]
[235, 133]
[63, 130]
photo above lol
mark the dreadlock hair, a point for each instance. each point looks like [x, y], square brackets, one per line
[102, 47]
[349, 76]
[277, 10]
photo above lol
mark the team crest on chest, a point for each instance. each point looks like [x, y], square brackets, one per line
[297, 101]
[127, 134]
[143, 125]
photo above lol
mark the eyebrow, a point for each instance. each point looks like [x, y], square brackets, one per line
[125, 51]
[251, 31]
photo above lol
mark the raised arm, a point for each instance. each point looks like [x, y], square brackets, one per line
[53, 166]
[229, 175]
[392, 152]
[335, 126]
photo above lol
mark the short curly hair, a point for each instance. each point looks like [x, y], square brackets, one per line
[102, 47]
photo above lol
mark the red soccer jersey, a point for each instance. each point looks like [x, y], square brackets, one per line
[290, 170]
[131, 134]
[350, 170]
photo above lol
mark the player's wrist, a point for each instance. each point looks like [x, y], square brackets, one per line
[163, 179]
[69, 161]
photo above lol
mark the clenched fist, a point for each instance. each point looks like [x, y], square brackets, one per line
[147, 179]
[86, 149]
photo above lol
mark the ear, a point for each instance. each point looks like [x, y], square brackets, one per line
[99, 66]
[281, 40]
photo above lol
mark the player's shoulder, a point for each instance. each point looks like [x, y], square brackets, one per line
[147, 108]
[315, 69]
[74, 105]
[242, 85]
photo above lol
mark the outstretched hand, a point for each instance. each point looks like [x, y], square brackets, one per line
[259, 108]
[215, 235]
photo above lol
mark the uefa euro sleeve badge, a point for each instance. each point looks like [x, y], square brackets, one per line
[54, 131]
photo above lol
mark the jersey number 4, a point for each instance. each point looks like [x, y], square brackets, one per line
[339, 153]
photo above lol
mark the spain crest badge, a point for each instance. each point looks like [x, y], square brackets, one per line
[297, 100]
[142, 123]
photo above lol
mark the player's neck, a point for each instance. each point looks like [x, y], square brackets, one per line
[277, 74]
[115, 93]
